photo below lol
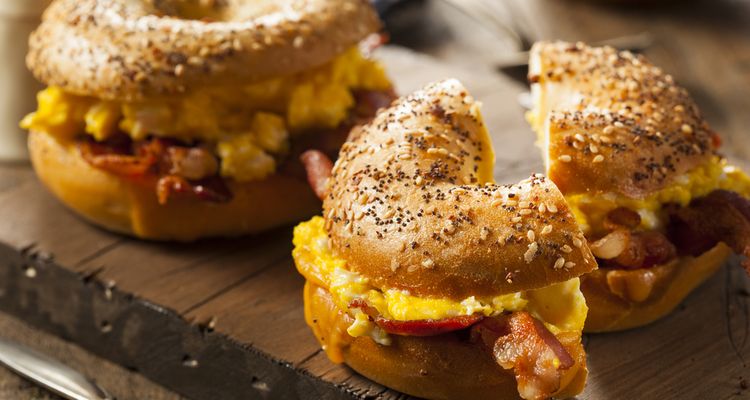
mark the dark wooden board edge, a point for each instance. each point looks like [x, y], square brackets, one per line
[186, 357]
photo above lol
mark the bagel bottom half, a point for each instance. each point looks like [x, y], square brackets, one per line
[132, 207]
[446, 366]
[624, 299]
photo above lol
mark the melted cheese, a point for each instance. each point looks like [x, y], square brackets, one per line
[561, 306]
[249, 126]
[591, 209]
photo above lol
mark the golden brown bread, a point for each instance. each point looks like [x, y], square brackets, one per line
[437, 367]
[410, 206]
[624, 299]
[130, 49]
[611, 121]
[130, 207]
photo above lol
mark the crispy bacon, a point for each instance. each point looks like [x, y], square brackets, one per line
[115, 159]
[177, 169]
[318, 167]
[422, 327]
[720, 216]
[642, 250]
[522, 343]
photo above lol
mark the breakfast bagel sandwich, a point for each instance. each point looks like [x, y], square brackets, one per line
[181, 119]
[425, 276]
[639, 167]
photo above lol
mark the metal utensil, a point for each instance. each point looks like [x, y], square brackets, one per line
[49, 373]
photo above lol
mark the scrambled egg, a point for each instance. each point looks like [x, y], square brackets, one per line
[250, 126]
[590, 210]
[561, 307]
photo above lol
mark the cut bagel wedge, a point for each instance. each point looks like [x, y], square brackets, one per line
[426, 276]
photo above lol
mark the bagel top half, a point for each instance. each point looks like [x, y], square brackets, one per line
[411, 205]
[611, 122]
[134, 49]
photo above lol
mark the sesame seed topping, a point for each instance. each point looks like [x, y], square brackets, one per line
[531, 235]
[402, 246]
[559, 263]
[599, 158]
[428, 263]
[485, 232]
[565, 158]
[437, 150]
[530, 253]
[547, 230]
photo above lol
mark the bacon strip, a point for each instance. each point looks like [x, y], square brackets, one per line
[520, 342]
[318, 167]
[641, 250]
[721, 216]
[112, 159]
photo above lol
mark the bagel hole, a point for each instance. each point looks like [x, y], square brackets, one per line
[202, 10]
[218, 10]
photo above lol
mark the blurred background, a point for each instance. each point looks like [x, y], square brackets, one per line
[704, 44]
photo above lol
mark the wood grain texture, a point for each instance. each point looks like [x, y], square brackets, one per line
[223, 318]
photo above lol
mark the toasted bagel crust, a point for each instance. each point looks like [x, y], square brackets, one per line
[436, 367]
[613, 122]
[657, 290]
[130, 207]
[410, 206]
[131, 49]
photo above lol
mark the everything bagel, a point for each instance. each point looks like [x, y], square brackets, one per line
[420, 260]
[195, 112]
[640, 167]
[135, 49]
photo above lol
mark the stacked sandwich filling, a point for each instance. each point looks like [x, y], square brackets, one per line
[591, 210]
[633, 156]
[561, 306]
[208, 135]
[418, 244]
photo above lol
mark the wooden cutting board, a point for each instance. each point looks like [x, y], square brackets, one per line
[222, 319]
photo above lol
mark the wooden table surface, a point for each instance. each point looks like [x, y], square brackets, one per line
[253, 297]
